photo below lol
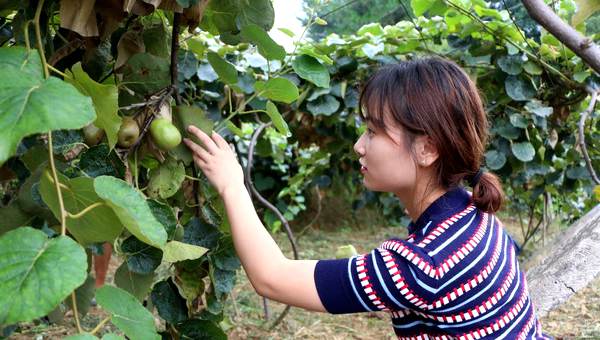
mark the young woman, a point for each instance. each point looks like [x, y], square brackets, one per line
[456, 276]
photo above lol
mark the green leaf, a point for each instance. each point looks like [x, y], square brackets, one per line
[30, 104]
[532, 68]
[266, 46]
[165, 215]
[132, 209]
[536, 107]
[192, 115]
[105, 99]
[37, 273]
[421, 6]
[311, 69]
[277, 89]
[81, 336]
[200, 330]
[97, 225]
[141, 258]
[127, 313]
[135, 284]
[223, 280]
[112, 336]
[226, 71]
[324, 105]
[258, 12]
[200, 233]
[495, 159]
[99, 160]
[372, 28]
[517, 120]
[145, 74]
[585, 8]
[170, 305]
[176, 251]
[511, 64]
[523, 151]
[519, 88]
[277, 119]
[12, 217]
[166, 179]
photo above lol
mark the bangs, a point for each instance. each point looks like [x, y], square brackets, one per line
[389, 92]
[372, 101]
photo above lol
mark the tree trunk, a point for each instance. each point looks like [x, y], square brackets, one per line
[574, 261]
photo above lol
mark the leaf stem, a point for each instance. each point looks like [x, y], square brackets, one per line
[84, 211]
[99, 326]
[55, 70]
[75, 312]
[192, 178]
[38, 35]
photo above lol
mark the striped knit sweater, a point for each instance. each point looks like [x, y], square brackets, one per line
[456, 276]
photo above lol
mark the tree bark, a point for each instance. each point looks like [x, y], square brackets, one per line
[574, 261]
[582, 46]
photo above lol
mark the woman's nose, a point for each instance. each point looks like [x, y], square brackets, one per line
[359, 146]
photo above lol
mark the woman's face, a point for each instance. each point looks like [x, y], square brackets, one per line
[386, 161]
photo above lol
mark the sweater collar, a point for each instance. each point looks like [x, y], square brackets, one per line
[450, 203]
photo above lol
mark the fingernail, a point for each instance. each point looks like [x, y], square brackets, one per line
[190, 128]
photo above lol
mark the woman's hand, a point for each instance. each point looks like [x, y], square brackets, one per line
[216, 159]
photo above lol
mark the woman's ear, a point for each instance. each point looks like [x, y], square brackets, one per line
[425, 151]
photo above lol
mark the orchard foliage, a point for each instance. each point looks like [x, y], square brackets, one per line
[83, 164]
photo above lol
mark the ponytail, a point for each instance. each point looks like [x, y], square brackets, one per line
[487, 192]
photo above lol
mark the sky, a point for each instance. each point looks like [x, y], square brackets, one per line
[286, 13]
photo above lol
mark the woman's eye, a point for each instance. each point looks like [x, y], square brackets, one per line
[370, 131]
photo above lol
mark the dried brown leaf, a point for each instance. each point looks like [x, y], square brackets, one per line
[79, 16]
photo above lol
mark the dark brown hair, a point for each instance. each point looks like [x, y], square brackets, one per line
[436, 98]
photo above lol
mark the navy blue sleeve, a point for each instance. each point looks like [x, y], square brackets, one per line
[335, 289]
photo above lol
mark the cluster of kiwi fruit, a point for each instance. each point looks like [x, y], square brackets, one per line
[164, 134]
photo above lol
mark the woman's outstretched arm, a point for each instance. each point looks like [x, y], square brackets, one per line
[270, 272]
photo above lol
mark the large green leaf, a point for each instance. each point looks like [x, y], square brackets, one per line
[312, 70]
[105, 99]
[258, 12]
[170, 305]
[166, 179]
[200, 233]
[136, 284]
[132, 209]
[201, 330]
[145, 73]
[165, 215]
[523, 151]
[266, 46]
[226, 71]
[278, 89]
[421, 6]
[519, 88]
[495, 159]
[97, 225]
[277, 119]
[141, 258]
[128, 314]
[323, 105]
[12, 217]
[176, 251]
[37, 273]
[511, 64]
[30, 104]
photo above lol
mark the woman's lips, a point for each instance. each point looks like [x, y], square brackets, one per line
[363, 169]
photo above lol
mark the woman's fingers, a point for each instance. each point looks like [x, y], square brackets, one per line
[196, 149]
[219, 140]
[209, 144]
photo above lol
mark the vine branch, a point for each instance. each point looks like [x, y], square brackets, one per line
[584, 47]
[581, 125]
[261, 199]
